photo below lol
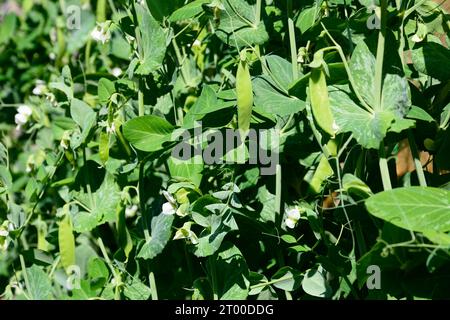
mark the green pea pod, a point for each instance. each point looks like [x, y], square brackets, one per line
[323, 170]
[123, 235]
[320, 103]
[104, 147]
[244, 93]
[66, 242]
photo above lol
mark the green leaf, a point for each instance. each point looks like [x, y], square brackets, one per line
[230, 273]
[431, 59]
[106, 89]
[66, 242]
[100, 206]
[271, 101]
[280, 71]
[136, 290]
[206, 103]
[362, 68]
[419, 114]
[153, 41]
[315, 284]
[161, 233]
[307, 18]
[7, 28]
[40, 287]
[98, 273]
[421, 209]
[287, 279]
[188, 11]
[369, 129]
[84, 116]
[147, 133]
[190, 169]
[238, 25]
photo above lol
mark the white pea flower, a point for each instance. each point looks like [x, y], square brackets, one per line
[292, 217]
[4, 232]
[40, 88]
[22, 116]
[52, 56]
[131, 211]
[65, 140]
[111, 129]
[185, 232]
[116, 72]
[101, 32]
[168, 208]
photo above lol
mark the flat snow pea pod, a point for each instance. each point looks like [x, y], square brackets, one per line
[66, 241]
[103, 147]
[244, 94]
[320, 103]
[323, 170]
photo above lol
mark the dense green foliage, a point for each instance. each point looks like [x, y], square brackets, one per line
[95, 97]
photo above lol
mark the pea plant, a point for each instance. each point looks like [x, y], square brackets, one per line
[224, 149]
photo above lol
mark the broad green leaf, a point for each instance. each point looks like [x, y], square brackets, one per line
[231, 273]
[98, 273]
[280, 71]
[76, 38]
[136, 290]
[7, 28]
[190, 169]
[419, 114]
[432, 59]
[369, 129]
[84, 116]
[153, 41]
[315, 283]
[161, 233]
[100, 206]
[66, 242]
[362, 67]
[40, 287]
[206, 103]
[238, 26]
[307, 18]
[287, 279]
[188, 11]
[147, 133]
[105, 90]
[269, 100]
[421, 209]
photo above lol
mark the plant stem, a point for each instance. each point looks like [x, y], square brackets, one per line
[380, 57]
[25, 274]
[101, 10]
[278, 193]
[141, 98]
[384, 169]
[292, 40]
[416, 157]
[153, 289]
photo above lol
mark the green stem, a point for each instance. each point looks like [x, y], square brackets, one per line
[141, 98]
[380, 57]
[141, 201]
[278, 193]
[25, 274]
[292, 40]
[384, 169]
[153, 289]
[101, 10]
[416, 157]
